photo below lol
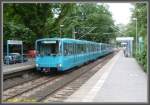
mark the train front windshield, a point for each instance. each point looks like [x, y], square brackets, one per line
[48, 48]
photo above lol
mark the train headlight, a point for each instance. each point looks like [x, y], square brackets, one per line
[37, 65]
[59, 65]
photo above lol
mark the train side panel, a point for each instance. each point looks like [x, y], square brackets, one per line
[73, 53]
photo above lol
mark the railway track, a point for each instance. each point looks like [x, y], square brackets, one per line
[64, 92]
[43, 88]
[25, 87]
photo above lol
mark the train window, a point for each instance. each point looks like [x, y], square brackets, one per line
[84, 48]
[48, 47]
[75, 48]
[68, 49]
[65, 49]
[103, 47]
[78, 48]
[89, 47]
[81, 49]
[70, 45]
[97, 47]
[92, 47]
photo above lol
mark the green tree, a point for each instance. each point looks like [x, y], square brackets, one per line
[38, 18]
[29, 22]
[139, 12]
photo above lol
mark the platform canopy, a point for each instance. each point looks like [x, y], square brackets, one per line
[14, 42]
[124, 38]
[126, 42]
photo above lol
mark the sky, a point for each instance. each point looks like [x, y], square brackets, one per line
[121, 12]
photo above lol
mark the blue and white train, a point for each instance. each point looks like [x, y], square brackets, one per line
[61, 54]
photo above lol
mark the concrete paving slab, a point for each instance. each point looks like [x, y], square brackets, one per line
[122, 80]
[8, 69]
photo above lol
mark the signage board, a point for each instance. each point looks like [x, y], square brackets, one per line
[140, 39]
[14, 42]
[124, 38]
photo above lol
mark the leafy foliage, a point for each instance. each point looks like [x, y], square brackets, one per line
[139, 12]
[29, 22]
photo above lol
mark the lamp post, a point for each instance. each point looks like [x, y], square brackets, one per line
[73, 33]
[60, 29]
[136, 33]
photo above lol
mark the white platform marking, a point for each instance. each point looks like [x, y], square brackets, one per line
[87, 92]
[93, 92]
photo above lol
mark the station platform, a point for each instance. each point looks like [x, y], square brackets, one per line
[120, 80]
[12, 68]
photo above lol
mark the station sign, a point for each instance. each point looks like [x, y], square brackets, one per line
[14, 42]
[140, 39]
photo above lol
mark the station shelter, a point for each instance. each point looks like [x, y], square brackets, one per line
[14, 42]
[126, 42]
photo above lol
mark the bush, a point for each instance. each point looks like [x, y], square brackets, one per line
[19, 32]
[142, 59]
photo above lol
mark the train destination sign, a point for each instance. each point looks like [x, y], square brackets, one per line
[47, 42]
[14, 42]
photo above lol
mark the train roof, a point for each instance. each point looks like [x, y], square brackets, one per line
[67, 39]
[58, 39]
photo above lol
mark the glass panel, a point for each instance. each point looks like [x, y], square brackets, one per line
[48, 47]
[68, 49]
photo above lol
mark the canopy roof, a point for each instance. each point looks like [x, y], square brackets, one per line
[124, 38]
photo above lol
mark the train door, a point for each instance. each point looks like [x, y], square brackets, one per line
[60, 48]
[88, 51]
[75, 53]
[100, 48]
[65, 55]
[71, 47]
